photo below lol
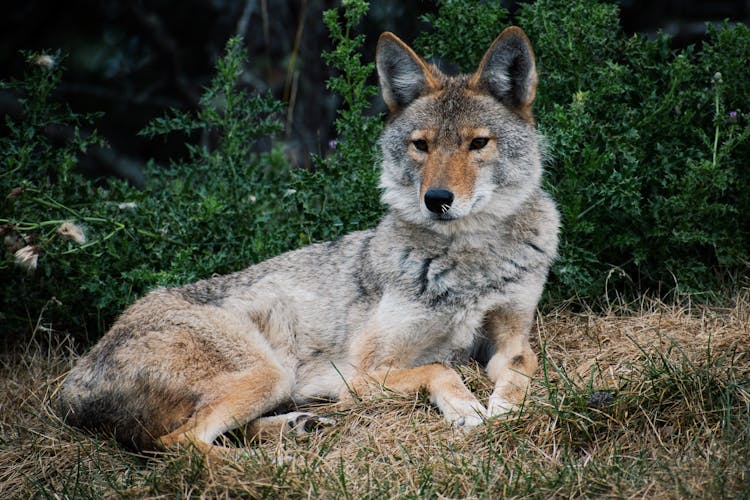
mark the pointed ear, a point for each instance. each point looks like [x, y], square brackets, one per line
[508, 71]
[403, 75]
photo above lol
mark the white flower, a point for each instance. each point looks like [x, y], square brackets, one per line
[70, 231]
[27, 257]
[127, 205]
[45, 61]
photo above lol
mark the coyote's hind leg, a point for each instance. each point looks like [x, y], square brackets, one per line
[229, 401]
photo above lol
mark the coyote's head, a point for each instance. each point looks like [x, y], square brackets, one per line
[459, 149]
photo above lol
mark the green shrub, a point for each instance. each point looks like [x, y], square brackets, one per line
[340, 194]
[222, 208]
[646, 162]
[462, 31]
[214, 213]
[40, 195]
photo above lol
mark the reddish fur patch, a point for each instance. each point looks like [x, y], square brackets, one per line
[436, 378]
[449, 168]
[238, 398]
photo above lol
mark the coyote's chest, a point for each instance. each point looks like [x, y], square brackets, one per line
[448, 281]
[434, 302]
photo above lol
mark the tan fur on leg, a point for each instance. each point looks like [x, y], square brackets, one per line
[444, 386]
[239, 398]
[513, 362]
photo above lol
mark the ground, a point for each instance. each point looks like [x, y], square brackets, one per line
[644, 401]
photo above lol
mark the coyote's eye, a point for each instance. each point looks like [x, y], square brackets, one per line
[478, 143]
[420, 144]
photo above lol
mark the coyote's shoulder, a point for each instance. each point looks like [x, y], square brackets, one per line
[455, 268]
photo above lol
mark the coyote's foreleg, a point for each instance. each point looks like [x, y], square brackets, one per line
[513, 362]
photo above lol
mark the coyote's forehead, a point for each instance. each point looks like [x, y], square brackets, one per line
[457, 110]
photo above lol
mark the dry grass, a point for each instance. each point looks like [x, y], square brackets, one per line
[648, 404]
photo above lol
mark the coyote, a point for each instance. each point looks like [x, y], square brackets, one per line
[454, 269]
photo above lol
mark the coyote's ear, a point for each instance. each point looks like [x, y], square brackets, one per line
[508, 71]
[403, 75]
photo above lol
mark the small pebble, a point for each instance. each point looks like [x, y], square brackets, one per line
[600, 399]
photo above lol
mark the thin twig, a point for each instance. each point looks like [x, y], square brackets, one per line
[244, 19]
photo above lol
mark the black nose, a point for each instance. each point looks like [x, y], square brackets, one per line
[438, 201]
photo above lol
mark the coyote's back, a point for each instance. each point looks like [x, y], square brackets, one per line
[455, 268]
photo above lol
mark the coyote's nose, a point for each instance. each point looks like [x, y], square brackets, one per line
[438, 201]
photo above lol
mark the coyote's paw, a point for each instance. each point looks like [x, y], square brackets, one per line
[304, 423]
[498, 406]
[463, 413]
